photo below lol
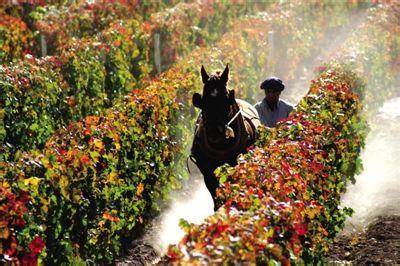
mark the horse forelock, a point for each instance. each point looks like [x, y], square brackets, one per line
[215, 87]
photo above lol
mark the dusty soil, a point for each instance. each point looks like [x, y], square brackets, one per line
[378, 245]
[140, 253]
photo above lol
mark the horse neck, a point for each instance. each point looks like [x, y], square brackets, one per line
[230, 147]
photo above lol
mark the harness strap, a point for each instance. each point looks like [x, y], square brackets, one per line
[190, 157]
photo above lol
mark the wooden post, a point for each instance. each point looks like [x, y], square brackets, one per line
[157, 52]
[43, 45]
[271, 52]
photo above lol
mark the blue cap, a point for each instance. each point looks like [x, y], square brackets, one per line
[272, 83]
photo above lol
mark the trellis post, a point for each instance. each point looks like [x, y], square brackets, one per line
[43, 45]
[271, 52]
[157, 52]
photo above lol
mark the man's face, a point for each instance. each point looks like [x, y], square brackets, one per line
[272, 96]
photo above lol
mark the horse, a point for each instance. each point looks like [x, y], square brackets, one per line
[225, 128]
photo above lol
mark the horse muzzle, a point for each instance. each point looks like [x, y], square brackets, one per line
[229, 133]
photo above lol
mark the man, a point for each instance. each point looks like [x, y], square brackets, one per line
[271, 109]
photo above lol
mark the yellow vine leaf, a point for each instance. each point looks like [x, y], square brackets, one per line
[5, 184]
[140, 189]
[4, 232]
[64, 186]
[98, 144]
[32, 182]
[113, 178]
[45, 204]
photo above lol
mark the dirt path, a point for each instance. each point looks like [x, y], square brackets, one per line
[140, 253]
[378, 245]
[193, 203]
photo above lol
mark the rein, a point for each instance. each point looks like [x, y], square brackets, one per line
[234, 117]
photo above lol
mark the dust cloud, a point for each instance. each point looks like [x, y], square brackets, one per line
[377, 189]
[323, 51]
[193, 203]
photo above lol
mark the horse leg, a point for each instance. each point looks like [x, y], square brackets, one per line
[211, 183]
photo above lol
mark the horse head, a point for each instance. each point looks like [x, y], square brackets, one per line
[217, 105]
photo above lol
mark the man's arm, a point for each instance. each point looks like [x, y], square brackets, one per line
[289, 108]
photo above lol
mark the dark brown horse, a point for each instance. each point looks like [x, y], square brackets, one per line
[226, 127]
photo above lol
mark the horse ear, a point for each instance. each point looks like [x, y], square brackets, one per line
[197, 100]
[225, 74]
[204, 75]
[231, 96]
